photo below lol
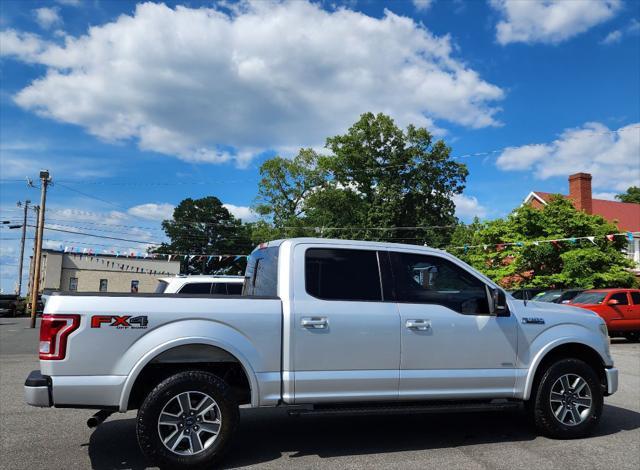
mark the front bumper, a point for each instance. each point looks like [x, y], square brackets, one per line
[37, 389]
[612, 380]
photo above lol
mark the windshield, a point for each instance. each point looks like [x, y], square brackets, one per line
[594, 298]
[548, 296]
[161, 287]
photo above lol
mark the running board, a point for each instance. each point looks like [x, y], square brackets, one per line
[404, 408]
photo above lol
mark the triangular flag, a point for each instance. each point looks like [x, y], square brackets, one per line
[592, 239]
[610, 237]
[536, 243]
[484, 247]
[630, 236]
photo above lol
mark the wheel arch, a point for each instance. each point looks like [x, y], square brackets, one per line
[562, 350]
[177, 354]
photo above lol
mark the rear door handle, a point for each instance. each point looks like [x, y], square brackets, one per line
[418, 324]
[314, 322]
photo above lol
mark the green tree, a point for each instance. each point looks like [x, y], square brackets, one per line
[631, 195]
[203, 227]
[571, 263]
[377, 176]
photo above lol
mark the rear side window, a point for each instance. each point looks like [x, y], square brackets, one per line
[338, 274]
[196, 288]
[621, 297]
[635, 296]
[261, 275]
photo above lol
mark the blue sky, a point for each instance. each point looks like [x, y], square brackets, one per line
[134, 107]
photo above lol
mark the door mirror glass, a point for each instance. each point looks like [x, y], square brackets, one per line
[499, 306]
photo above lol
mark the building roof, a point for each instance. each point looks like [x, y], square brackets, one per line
[625, 215]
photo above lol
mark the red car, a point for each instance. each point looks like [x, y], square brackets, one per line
[620, 309]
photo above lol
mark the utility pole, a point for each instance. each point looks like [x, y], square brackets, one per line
[33, 260]
[44, 182]
[24, 234]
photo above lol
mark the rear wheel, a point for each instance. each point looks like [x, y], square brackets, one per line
[187, 420]
[568, 400]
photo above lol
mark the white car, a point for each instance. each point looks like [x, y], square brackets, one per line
[204, 284]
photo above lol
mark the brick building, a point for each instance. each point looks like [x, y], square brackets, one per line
[74, 272]
[623, 214]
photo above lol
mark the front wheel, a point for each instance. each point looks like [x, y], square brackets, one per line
[568, 400]
[187, 421]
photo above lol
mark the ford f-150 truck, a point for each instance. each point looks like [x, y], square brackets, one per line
[322, 326]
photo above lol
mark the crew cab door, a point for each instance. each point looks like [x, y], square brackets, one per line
[452, 347]
[346, 337]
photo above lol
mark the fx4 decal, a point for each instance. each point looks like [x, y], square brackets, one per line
[120, 322]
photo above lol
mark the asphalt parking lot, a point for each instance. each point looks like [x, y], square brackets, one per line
[34, 438]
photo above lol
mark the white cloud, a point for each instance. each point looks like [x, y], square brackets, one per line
[152, 211]
[549, 21]
[210, 86]
[616, 36]
[468, 207]
[73, 3]
[607, 196]
[422, 5]
[612, 37]
[47, 17]
[243, 213]
[20, 163]
[613, 158]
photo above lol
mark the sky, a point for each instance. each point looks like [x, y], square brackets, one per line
[134, 107]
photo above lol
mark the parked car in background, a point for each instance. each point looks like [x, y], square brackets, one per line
[8, 305]
[525, 294]
[619, 308]
[557, 296]
[217, 285]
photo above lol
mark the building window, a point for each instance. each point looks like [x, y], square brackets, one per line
[103, 285]
[73, 284]
[134, 285]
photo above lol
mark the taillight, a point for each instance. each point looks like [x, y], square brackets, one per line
[54, 331]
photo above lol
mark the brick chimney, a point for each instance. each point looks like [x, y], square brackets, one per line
[580, 191]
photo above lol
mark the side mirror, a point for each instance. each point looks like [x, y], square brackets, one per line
[499, 306]
[613, 302]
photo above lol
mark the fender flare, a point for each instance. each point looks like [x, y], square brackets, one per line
[539, 357]
[153, 353]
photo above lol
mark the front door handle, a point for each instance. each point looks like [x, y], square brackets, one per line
[418, 324]
[314, 322]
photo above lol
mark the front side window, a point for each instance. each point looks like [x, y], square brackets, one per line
[635, 296]
[73, 284]
[341, 274]
[103, 285]
[621, 297]
[428, 279]
[196, 288]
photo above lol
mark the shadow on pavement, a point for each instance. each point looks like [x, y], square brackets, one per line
[264, 435]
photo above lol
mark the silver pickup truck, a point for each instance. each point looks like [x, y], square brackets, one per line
[322, 326]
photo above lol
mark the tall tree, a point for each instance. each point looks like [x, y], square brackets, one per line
[377, 178]
[571, 263]
[631, 195]
[204, 227]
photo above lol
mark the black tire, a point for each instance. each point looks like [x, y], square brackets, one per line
[632, 336]
[148, 430]
[543, 414]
